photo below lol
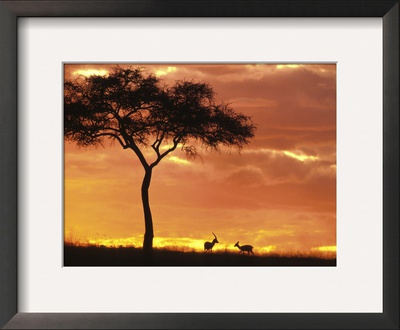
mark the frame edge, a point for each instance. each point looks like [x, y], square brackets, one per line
[391, 165]
[8, 165]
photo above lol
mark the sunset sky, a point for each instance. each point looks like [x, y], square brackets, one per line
[277, 194]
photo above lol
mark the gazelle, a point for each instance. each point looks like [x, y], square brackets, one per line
[209, 245]
[245, 248]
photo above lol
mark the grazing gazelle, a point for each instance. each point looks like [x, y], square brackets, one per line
[209, 245]
[245, 248]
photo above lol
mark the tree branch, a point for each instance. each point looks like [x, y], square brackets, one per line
[161, 156]
[115, 136]
[157, 143]
[138, 153]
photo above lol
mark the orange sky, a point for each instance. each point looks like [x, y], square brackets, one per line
[278, 194]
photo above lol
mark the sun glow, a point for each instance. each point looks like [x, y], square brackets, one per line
[185, 244]
[330, 248]
[90, 72]
[165, 72]
[288, 66]
[178, 160]
[182, 243]
[189, 244]
[267, 249]
[292, 154]
[300, 157]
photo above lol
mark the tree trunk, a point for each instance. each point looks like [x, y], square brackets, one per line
[148, 220]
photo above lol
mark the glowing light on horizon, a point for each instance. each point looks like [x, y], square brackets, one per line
[267, 249]
[329, 248]
[187, 244]
[182, 243]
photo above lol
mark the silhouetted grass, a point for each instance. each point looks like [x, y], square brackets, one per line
[131, 256]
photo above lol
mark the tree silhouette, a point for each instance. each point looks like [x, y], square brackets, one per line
[131, 106]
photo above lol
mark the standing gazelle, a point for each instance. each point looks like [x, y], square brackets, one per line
[245, 248]
[209, 245]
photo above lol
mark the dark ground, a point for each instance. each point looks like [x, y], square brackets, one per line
[130, 256]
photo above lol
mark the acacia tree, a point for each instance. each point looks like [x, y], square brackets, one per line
[131, 106]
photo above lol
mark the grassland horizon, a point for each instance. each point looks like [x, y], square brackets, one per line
[98, 255]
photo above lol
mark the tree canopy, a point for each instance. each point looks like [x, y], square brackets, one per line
[132, 107]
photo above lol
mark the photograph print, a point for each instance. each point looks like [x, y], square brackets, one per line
[173, 164]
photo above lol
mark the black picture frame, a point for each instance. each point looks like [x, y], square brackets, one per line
[10, 11]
